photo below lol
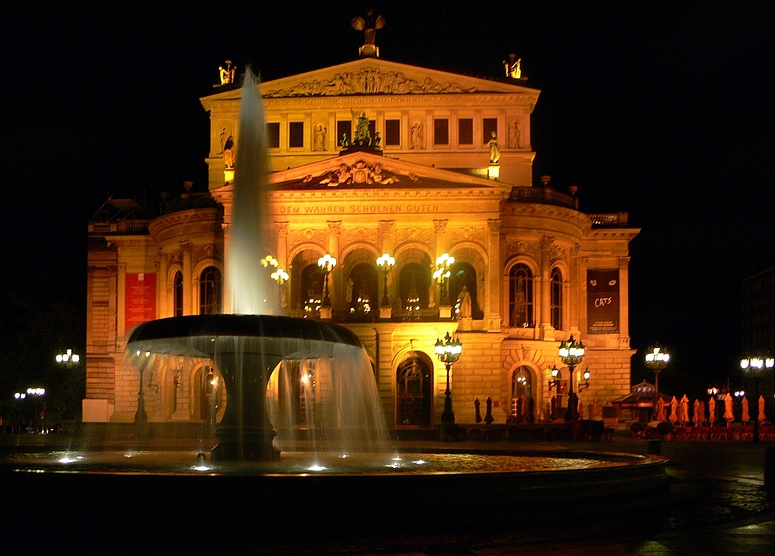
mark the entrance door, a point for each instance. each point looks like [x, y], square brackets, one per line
[413, 391]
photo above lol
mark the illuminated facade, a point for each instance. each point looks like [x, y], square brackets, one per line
[448, 171]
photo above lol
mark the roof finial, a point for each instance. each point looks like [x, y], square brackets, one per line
[369, 26]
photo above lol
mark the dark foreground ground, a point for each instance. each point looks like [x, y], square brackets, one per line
[715, 503]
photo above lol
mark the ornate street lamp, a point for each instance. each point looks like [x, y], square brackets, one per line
[326, 264]
[141, 359]
[280, 276]
[442, 274]
[755, 368]
[657, 359]
[572, 352]
[448, 351]
[68, 358]
[386, 263]
[555, 382]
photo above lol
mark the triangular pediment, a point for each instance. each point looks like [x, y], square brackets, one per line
[375, 76]
[369, 171]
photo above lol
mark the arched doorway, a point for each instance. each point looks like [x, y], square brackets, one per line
[413, 391]
[522, 399]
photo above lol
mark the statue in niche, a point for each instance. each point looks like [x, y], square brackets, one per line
[417, 141]
[228, 152]
[495, 149]
[463, 307]
[320, 137]
[227, 73]
[514, 135]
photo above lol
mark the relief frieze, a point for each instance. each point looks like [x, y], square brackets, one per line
[368, 81]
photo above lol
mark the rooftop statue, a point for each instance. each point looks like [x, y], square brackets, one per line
[369, 26]
[513, 68]
[227, 73]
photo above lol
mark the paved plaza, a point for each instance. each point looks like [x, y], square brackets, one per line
[716, 503]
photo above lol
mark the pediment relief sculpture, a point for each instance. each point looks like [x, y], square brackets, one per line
[360, 173]
[368, 81]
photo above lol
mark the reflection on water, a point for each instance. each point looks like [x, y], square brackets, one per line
[294, 463]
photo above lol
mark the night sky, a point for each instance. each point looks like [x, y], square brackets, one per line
[660, 109]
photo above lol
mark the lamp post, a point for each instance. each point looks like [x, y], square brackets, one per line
[572, 352]
[386, 264]
[657, 359]
[280, 276]
[141, 358]
[68, 358]
[755, 367]
[326, 264]
[34, 393]
[442, 274]
[448, 351]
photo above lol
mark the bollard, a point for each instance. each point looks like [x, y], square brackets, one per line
[654, 447]
[769, 469]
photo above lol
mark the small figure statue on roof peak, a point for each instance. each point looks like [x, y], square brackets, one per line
[513, 67]
[227, 72]
[369, 26]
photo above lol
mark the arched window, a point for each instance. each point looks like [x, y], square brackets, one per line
[413, 285]
[521, 296]
[210, 292]
[177, 294]
[312, 279]
[522, 402]
[413, 391]
[462, 276]
[556, 298]
[362, 300]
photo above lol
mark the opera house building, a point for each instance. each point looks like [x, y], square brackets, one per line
[403, 206]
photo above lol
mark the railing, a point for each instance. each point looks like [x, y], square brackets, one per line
[545, 195]
[612, 220]
[121, 226]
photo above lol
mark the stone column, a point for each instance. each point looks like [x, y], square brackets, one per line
[581, 295]
[572, 299]
[387, 241]
[440, 238]
[281, 229]
[491, 299]
[164, 288]
[624, 299]
[189, 282]
[334, 286]
[544, 287]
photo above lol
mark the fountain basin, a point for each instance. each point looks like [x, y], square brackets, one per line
[456, 488]
[247, 349]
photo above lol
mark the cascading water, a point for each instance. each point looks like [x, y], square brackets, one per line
[322, 391]
[252, 291]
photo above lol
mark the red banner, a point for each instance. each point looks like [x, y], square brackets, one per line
[140, 299]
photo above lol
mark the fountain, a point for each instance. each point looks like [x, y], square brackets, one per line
[348, 458]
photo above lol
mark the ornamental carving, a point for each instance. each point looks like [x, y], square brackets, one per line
[558, 253]
[467, 233]
[368, 81]
[309, 235]
[360, 235]
[515, 247]
[423, 235]
[359, 173]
